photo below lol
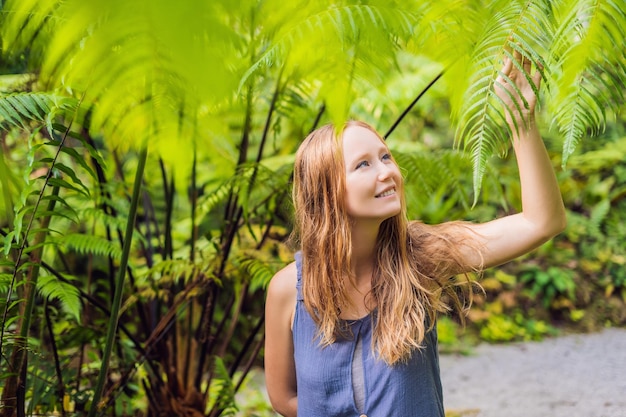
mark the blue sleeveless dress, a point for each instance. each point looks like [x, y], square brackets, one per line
[324, 375]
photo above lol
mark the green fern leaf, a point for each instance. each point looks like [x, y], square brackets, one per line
[17, 109]
[523, 26]
[213, 198]
[67, 295]
[102, 219]
[589, 54]
[170, 270]
[75, 155]
[90, 245]
[580, 115]
[70, 173]
[222, 390]
[344, 23]
[258, 271]
[5, 282]
[65, 185]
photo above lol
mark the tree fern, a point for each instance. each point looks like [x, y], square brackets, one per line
[146, 66]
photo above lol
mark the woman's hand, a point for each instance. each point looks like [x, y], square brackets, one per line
[514, 88]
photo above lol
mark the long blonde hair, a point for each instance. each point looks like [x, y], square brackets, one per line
[414, 261]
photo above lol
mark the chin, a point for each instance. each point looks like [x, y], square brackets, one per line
[392, 214]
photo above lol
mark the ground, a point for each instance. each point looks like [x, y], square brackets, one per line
[568, 376]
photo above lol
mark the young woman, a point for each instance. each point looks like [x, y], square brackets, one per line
[351, 324]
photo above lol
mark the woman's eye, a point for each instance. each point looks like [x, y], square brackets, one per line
[386, 156]
[362, 164]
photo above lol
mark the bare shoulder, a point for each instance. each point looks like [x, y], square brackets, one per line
[281, 298]
[282, 287]
[285, 280]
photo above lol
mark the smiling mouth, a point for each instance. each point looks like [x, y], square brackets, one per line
[386, 193]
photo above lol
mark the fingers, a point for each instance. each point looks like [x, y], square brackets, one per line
[518, 55]
[526, 64]
[508, 65]
[537, 75]
[523, 63]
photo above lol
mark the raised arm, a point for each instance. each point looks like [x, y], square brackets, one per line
[543, 214]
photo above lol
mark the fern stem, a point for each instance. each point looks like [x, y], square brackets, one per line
[119, 285]
[13, 397]
[408, 109]
[55, 354]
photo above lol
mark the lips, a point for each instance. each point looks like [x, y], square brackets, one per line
[386, 193]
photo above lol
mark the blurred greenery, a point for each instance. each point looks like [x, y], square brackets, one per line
[214, 97]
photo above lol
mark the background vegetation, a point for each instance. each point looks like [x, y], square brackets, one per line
[146, 163]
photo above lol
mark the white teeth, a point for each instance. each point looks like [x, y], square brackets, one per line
[387, 193]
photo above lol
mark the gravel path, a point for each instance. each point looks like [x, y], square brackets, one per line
[568, 376]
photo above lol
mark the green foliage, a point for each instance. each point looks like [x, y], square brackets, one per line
[501, 328]
[52, 288]
[222, 390]
[90, 245]
[18, 109]
[548, 284]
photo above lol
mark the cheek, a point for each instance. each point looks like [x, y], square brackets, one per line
[398, 175]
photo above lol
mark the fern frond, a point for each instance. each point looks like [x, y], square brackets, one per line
[222, 390]
[258, 271]
[436, 182]
[102, 219]
[589, 56]
[5, 281]
[341, 25]
[212, 198]
[580, 114]
[17, 109]
[609, 155]
[66, 294]
[523, 26]
[90, 245]
[71, 151]
[171, 270]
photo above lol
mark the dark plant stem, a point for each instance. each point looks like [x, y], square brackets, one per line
[13, 396]
[162, 329]
[316, 122]
[55, 355]
[245, 348]
[193, 197]
[119, 285]
[408, 109]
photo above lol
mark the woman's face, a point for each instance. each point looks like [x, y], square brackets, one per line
[373, 180]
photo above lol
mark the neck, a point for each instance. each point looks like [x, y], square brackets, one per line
[363, 249]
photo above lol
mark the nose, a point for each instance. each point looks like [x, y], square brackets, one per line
[385, 171]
